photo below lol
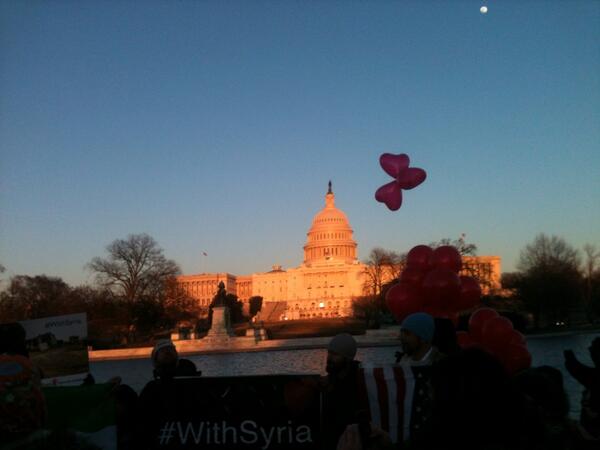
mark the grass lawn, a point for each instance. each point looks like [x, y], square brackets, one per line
[60, 361]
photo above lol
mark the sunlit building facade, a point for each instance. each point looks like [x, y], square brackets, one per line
[324, 285]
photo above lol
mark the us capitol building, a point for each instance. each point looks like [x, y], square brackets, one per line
[324, 285]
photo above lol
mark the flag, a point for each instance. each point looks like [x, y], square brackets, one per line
[393, 396]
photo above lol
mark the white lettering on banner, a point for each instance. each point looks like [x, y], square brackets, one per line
[189, 429]
[222, 433]
[249, 431]
[303, 435]
[266, 438]
[63, 323]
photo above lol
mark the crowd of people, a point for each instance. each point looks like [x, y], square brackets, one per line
[449, 397]
[464, 398]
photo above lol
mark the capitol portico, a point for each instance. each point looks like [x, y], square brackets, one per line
[324, 285]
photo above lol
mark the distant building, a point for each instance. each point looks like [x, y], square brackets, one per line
[324, 285]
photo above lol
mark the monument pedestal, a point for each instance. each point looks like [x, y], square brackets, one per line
[220, 330]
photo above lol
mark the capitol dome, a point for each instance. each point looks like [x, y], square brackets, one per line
[330, 236]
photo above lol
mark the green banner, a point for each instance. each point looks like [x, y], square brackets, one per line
[78, 418]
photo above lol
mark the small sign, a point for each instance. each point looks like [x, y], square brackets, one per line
[57, 345]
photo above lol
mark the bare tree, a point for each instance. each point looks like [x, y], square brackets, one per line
[592, 256]
[550, 279]
[383, 266]
[548, 253]
[464, 248]
[590, 267]
[135, 268]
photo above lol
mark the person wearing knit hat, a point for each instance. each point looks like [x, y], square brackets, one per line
[164, 359]
[343, 345]
[416, 334]
[162, 347]
[340, 388]
[340, 354]
[167, 363]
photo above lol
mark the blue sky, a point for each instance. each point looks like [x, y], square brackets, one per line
[215, 126]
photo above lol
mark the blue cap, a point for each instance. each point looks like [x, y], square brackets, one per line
[421, 324]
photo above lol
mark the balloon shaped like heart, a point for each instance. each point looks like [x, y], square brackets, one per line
[447, 257]
[441, 288]
[405, 177]
[403, 299]
[394, 164]
[391, 195]
[419, 257]
[470, 293]
[496, 333]
[515, 358]
[478, 320]
[413, 276]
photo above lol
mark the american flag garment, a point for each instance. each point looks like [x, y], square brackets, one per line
[396, 398]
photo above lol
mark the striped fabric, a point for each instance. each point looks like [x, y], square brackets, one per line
[387, 394]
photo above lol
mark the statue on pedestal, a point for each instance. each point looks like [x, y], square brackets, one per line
[220, 298]
[220, 328]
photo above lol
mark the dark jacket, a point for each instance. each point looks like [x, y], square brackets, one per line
[340, 405]
[589, 377]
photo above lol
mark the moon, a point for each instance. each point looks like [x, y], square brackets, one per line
[483, 9]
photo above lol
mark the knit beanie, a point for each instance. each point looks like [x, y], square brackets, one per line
[421, 324]
[344, 345]
[163, 343]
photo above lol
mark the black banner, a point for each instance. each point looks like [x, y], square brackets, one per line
[258, 412]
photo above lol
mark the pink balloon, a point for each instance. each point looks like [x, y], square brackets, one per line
[419, 257]
[516, 358]
[441, 288]
[470, 293]
[390, 194]
[447, 257]
[394, 164]
[463, 339]
[404, 178]
[496, 334]
[411, 177]
[402, 300]
[478, 320]
[517, 338]
[431, 310]
[412, 275]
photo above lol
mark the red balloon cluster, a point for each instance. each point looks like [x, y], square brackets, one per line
[496, 334]
[430, 283]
